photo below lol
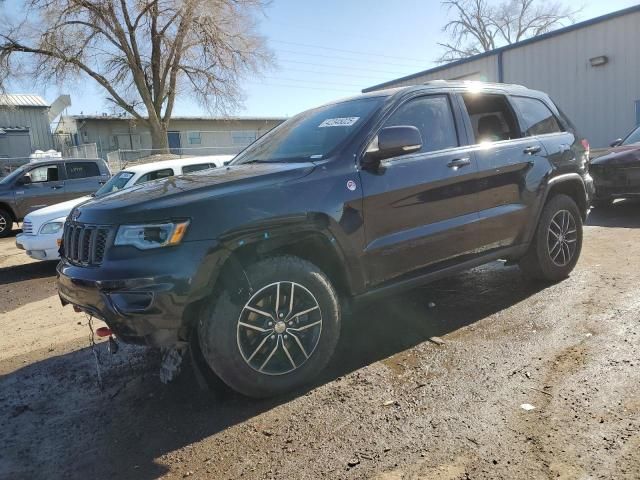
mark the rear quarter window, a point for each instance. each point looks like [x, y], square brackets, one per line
[82, 170]
[536, 117]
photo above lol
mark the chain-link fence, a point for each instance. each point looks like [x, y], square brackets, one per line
[121, 159]
[87, 150]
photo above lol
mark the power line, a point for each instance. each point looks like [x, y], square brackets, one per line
[333, 74]
[397, 57]
[321, 82]
[344, 66]
[345, 58]
[303, 87]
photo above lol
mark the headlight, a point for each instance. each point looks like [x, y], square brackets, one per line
[51, 227]
[154, 235]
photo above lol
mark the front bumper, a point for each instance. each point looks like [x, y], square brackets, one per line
[39, 247]
[143, 298]
[616, 182]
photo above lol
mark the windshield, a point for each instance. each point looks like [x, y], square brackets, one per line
[633, 137]
[311, 135]
[13, 175]
[115, 183]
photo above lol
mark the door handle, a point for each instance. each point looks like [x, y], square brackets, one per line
[459, 162]
[532, 149]
[56, 187]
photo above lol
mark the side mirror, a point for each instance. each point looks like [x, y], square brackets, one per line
[617, 142]
[24, 180]
[393, 142]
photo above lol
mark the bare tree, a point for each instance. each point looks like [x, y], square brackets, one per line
[144, 53]
[480, 26]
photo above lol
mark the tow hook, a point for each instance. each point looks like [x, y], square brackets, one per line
[106, 332]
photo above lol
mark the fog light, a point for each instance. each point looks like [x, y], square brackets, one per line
[129, 302]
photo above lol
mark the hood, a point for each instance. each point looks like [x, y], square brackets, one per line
[622, 156]
[164, 198]
[46, 214]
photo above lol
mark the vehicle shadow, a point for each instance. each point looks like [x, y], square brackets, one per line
[622, 214]
[28, 271]
[123, 430]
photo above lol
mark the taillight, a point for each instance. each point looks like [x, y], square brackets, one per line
[585, 145]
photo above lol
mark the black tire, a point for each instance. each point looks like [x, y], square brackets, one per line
[226, 341]
[545, 262]
[6, 223]
[601, 202]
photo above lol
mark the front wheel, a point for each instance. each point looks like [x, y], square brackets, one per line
[278, 338]
[557, 242]
[6, 223]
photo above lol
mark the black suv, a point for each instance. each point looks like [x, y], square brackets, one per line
[254, 263]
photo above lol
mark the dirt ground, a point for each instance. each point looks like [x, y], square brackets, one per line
[393, 405]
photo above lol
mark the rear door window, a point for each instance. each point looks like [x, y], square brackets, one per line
[431, 115]
[537, 118]
[194, 168]
[155, 175]
[492, 117]
[77, 170]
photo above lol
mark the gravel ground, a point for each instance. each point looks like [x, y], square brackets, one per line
[392, 405]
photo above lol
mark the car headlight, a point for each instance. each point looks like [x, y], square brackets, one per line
[51, 227]
[151, 235]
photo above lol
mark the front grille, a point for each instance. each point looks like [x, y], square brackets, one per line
[27, 228]
[85, 244]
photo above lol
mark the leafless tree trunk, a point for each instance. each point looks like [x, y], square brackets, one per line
[143, 53]
[480, 26]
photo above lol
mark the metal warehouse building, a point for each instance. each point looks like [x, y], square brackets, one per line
[24, 125]
[590, 69]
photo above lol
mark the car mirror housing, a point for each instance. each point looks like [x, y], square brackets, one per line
[393, 142]
[24, 180]
[616, 143]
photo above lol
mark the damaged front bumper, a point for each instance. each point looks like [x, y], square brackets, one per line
[143, 300]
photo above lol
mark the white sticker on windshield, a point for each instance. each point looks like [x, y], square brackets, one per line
[126, 175]
[339, 122]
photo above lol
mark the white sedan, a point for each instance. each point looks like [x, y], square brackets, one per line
[42, 229]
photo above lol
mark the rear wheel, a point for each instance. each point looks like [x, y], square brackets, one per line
[556, 245]
[280, 337]
[6, 223]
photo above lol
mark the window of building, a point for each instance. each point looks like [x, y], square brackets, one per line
[44, 173]
[195, 138]
[82, 170]
[537, 119]
[243, 138]
[155, 175]
[431, 115]
[491, 117]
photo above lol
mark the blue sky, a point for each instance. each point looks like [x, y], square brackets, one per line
[327, 49]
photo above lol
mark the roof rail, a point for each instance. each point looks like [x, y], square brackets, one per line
[441, 81]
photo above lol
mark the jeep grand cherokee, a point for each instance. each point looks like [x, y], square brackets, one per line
[254, 263]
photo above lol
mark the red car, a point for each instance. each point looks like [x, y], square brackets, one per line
[616, 174]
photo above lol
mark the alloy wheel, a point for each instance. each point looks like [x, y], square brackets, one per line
[562, 238]
[279, 328]
[3, 224]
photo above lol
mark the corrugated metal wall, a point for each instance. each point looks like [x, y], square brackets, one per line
[35, 118]
[602, 101]
[485, 69]
[599, 100]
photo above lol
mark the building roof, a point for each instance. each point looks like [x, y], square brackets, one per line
[175, 117]
[4, 130]
[22, 100]
[539, 38]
